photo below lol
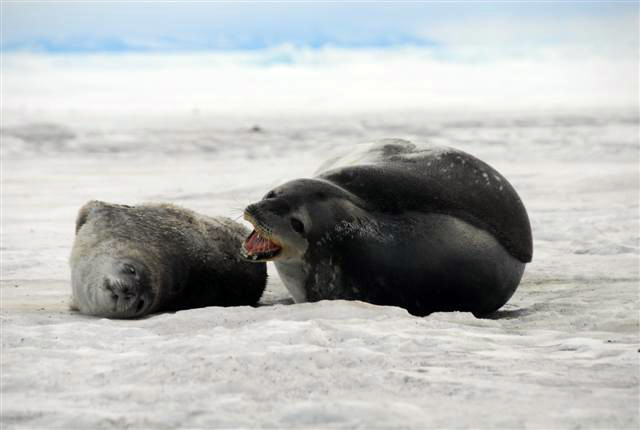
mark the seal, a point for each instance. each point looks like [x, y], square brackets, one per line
[423, 227]
[129, 261]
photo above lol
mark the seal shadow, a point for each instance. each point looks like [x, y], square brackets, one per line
[508, 314]
[283, 301]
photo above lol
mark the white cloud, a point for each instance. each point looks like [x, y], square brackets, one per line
[327, 80]
[501, 36]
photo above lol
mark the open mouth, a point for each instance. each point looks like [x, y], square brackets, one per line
[257, 247]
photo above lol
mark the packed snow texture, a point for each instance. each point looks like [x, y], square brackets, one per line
[563, 353]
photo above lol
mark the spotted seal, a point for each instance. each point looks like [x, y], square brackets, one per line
[423, 227]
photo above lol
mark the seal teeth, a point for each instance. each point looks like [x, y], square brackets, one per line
[258, 246]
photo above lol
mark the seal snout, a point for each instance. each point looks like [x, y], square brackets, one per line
[125, 290]
[126, 299]
[260, 245]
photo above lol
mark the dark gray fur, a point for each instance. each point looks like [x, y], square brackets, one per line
[129, 261]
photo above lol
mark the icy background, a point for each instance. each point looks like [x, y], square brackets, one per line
[562, 353]
[209, 105]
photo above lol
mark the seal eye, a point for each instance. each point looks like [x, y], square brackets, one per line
[270, 195]
[297, 225]
[128, 268]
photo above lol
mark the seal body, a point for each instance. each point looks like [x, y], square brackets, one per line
[129, 261]
[426, 228]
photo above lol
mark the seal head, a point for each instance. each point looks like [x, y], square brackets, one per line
[292, 216]
[115, 288]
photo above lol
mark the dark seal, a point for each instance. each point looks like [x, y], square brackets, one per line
[129, 261]
[426, 228]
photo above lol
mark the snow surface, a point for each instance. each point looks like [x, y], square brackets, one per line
[563, 353]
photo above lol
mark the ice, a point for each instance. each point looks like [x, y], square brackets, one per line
[563, 352]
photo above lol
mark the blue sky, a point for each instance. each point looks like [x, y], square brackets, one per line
[200, 26]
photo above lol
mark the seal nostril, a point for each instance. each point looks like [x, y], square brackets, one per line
[140, 305]
[107, 285]
[114, 297]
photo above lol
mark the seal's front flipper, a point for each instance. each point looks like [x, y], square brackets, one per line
[86, 211]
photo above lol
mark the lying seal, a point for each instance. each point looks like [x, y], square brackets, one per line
[426, 228]
[129, 261]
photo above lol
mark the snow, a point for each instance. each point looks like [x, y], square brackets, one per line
[563, 353]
